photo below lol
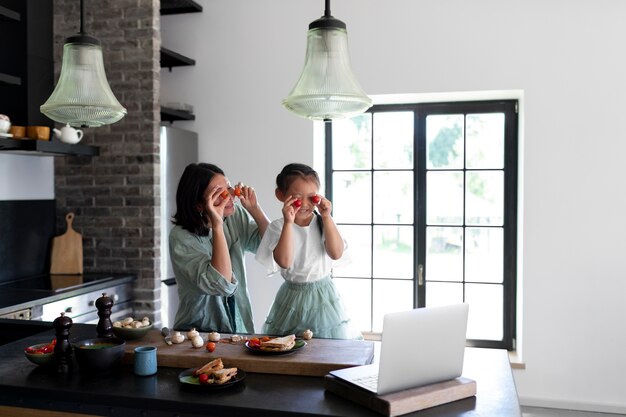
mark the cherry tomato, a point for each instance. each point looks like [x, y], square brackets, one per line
[210, 346]
[254, 342]
[297, 203]
[224, 194]
[316, 199]
[237, 191]
[203, 378]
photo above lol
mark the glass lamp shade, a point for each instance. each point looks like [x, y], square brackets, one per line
[327, 88]
[82, 97]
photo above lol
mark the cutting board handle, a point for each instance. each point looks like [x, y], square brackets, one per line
[69, 218]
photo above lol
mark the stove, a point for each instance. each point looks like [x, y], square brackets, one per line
[56, 283]
[44, 297]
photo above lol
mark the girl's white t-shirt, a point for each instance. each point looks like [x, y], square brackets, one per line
[310, 261]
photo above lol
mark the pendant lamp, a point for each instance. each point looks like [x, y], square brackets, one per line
[327, 88]
[82, 97]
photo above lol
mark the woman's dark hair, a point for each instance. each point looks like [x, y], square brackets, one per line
[293, 171]
[190, 193]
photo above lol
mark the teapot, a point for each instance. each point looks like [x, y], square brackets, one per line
[68, 134]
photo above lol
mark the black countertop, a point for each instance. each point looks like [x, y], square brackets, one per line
[121, 393]
[31, 292]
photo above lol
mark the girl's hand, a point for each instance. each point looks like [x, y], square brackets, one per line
[325, 207]
[214, 205]
[289, 210]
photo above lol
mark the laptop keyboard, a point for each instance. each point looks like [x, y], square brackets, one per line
[369, 381]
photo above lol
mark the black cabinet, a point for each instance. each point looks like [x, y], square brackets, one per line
[170, 59]
[26, 60]
[27, 75]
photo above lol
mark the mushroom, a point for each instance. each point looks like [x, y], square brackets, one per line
[197, 341]
[178, 337]
[214, 337]
[192, 333]
[307, 335]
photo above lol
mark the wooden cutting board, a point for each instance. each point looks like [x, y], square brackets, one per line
[406, 401]
[317, 358]
[67, 251]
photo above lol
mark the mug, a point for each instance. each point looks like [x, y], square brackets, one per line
[38, 132]
[145, 360]
[18, 132]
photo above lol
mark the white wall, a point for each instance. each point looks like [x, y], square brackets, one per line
[568, 59]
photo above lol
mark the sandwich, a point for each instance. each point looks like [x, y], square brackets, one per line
[223, 375]
[211, 367]
[279, 343]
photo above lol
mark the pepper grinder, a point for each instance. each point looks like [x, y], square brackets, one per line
[105, 327]
[62, 348]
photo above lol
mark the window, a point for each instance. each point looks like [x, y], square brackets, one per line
[426, 196]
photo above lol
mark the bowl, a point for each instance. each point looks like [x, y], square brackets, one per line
[39, 358]
[131, 333]
[99, 354]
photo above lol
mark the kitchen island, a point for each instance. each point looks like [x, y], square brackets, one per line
[24, 386]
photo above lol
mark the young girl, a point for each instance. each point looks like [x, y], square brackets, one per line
[303, 245]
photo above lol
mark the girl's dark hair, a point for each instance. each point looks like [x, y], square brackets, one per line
[293, 171]
[189, 193]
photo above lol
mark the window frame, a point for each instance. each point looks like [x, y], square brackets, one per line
[509, 107]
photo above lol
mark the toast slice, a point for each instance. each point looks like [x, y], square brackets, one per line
[211, 367]
[223, 375]
[279, 343]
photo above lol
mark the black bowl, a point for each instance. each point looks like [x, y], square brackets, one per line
[100, 354]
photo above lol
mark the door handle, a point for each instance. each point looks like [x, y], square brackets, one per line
[420, 275]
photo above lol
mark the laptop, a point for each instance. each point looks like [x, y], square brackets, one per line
[419, 347]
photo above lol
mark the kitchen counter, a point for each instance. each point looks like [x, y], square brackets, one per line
[121, 393]
[33, 293]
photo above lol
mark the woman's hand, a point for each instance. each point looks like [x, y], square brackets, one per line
[214, 205]
[247, 197]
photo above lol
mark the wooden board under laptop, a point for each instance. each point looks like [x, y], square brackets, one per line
[407, 401]
[317, 358]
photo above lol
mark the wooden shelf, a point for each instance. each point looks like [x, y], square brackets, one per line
[8, 14]
[9, 79]
[179, 6]
[45, 148]
[171, 59]
[173, 115]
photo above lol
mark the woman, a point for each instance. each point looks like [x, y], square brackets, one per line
[207, 248]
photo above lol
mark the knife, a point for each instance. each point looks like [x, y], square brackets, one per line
[166, 334]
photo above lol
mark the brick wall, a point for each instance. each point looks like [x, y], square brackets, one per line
[116, 195]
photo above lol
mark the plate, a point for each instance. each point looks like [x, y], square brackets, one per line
[187, 378]
[299, 345]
